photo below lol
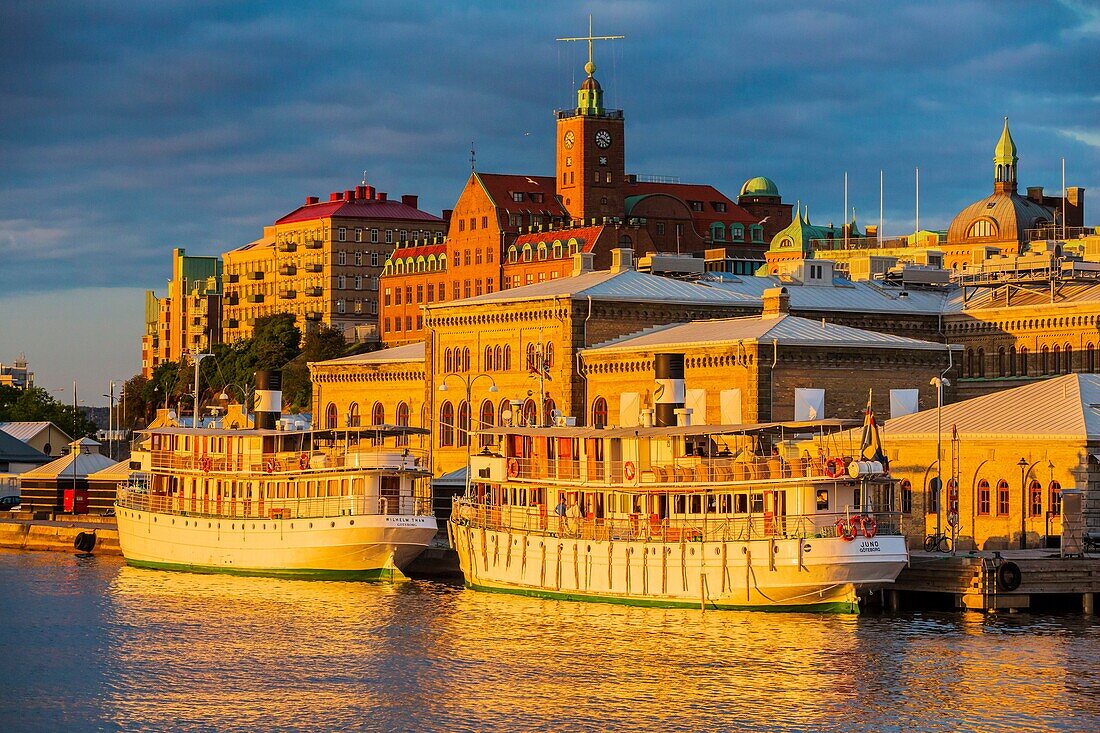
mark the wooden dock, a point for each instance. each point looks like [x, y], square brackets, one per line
[1008, 580]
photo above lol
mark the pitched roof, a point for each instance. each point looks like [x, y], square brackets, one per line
[28, 430]
[500, 187]
[1070, 409]
[587, 236]
[627, 286]
[861, 296]
[422, 250]
[14, 450]
[694, 192]
[785, 329]
[405, 352]
[358, 209]
[87, 460]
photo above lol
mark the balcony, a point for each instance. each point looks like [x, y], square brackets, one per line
[257, 298]
[232, 323]
[233, 278]
[288, 270]
[314, 267]
[256, 275]
[232, 299]
[314, 292]
[314, 244]
[288, 294]
[313, 315]
[288, 247]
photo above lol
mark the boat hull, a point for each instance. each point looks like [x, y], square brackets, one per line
[819, 574]
[363, 547]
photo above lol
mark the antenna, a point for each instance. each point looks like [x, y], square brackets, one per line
[364, 178]
[590, 67]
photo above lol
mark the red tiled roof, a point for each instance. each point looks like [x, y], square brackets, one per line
[695, 192]
[500, 188]
[422, 250]
[358, 209]
[588, 235]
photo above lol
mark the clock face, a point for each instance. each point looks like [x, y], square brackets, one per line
[603, 138]
[568, 140]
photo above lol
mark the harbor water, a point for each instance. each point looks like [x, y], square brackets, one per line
[90, 644]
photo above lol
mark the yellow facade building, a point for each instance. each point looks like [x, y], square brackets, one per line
[321, 263]
[188, 319]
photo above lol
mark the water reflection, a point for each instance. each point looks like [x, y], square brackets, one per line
[193, 652]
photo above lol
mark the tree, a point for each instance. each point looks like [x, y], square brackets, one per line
[275, 341]
[36, 405]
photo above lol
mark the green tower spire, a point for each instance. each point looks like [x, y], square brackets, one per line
[1004, 161]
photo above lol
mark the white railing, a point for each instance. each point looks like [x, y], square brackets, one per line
[284, 462]
[273, 508]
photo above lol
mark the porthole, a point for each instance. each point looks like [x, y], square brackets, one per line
[775, 550]
[588, 549]
[208, 525]
[744, 550]
[253, 525]
[332, 524]
[693, 551]
[154, 520]
[351, 522]
[311, 525]
[292, 525]
[717, 551]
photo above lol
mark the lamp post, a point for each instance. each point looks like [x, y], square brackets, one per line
[1022, 463]
[468, 382]
[111, 421]
[939, 383]
[195, 411]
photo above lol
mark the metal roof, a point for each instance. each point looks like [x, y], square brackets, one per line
[628, 286]
[1070, 409]
[28, 430]
[862, 296]
[785, 329]
[14, 450]
[405, 352]
[87, 461]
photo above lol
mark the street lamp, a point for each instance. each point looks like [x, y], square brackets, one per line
[468, 381]
[939, 383]
[1022, 463]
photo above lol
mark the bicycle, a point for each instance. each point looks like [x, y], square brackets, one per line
[938, 543]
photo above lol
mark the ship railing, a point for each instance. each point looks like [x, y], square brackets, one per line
[537, 521]
[678, 471]
[272, 508]
[295, 462]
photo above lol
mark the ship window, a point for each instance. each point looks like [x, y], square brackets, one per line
[679, 504]
[725, 503]
[696, 504]
[741, 503]
[757, 503]
[822, 499]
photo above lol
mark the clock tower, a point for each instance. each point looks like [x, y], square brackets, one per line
[591, 162]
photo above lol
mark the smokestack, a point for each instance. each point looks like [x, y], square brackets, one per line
[269, 399]
[668, 392]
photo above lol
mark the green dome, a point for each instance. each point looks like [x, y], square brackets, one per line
[760, 186]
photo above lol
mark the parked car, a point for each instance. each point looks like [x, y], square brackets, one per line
[9, 503]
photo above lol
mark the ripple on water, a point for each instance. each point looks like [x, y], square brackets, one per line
[99, 646]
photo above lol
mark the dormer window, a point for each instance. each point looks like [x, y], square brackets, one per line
[517, 196]
[696, 205]
[719, 206]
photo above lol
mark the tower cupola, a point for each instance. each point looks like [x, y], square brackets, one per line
[590, 95]
[1004, 162]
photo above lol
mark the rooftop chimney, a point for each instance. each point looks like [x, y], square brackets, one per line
[409, 200]
[381, 195]
[1035, 193]
[334, 196]
[370, 192]
[311, 200]
[583, 262]
[447, 215]
[349, 195]
[777, 302]
[360, 192]
[622, 259]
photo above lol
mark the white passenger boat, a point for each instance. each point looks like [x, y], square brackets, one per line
[349, 503]
[745, 516]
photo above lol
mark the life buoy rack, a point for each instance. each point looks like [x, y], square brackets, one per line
[206, 463]
[834, 467]
[845, 529]
[629, 471]
[869, 526]
[513, 468]
[303, 461]
[269, 465]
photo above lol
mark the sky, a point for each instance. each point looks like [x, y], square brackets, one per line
[127, 129]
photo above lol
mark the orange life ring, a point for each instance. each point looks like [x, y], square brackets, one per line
[303, 461]
[834, 467]
[513, 467]
[869, 526]
[206, 463]
[269, 465]
[842, 530]
[628, 471]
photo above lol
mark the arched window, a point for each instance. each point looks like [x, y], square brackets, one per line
[982, 228]
[1034, 499]
[548, 356]
[528, 253]
[530, 357]
[504, 410]
[497, 363]
[353, 415]
[548, 406]
[1090, 358]
[559, 249]
[513, 254]
[1023, 361]
[487, 362]
[1002, 498]
[1057, 363]
[1001, 362]
[543, 251]
[330, 416]
[486, 421]
[757, 233]
[1012, 361]
[983, 498]
[401, 417]
[969, 363]
[906, 497]
[447, 424]
[718, 232]
[1055, 499]
[1067, 358]
[981, 363]
[448, 361]
[737, 232]
[530, 412]
[464, 423]
[507, 358]
[932, 506]
[599, 412]
[1044, 360]
[466, 359]
[953, 496]
[378, 414]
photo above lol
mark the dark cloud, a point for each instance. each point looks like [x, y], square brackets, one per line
[129, 128]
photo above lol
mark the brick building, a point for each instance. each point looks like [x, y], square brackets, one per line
[321, 262]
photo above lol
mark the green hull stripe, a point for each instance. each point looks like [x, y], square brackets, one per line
[825, 607]
[382, 574]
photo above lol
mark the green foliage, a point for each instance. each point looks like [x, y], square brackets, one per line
[275, 341]
[36, 404]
